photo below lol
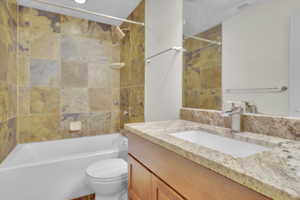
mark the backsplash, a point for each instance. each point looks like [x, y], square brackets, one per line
[202, 71]
[283, 127]
[8, 76]
[65, 75]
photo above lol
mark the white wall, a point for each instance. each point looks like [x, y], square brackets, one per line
[256, 53]
[294, 73]
[163, 76]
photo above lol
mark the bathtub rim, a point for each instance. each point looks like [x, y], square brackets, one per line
[68, 158]
[60, 159]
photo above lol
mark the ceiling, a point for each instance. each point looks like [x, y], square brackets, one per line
[201, 15]
[116, 8]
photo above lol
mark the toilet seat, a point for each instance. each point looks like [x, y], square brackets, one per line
[108, 170]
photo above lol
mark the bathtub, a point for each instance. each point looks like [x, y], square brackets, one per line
[55, 170]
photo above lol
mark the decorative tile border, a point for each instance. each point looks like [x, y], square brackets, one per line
[284, 127]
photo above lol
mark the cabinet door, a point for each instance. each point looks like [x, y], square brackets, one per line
[161, 191]
[139, 181]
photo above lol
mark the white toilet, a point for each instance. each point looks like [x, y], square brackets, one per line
[108, 179]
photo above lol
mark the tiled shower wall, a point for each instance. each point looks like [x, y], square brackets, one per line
[64, 76]
[55, 69]
[202, 72]
[132, 75]
[8, 76]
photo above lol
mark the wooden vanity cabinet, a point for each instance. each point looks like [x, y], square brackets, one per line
[161, 191]
[156, 173]
[143, 185]
[139, 181]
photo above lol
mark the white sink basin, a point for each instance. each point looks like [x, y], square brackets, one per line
[235, 148]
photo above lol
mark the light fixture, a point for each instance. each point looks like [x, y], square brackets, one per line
[80, 1]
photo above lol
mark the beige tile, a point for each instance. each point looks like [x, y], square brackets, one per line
[24, 41]
[138, 71]
[23, 70]
[45, 46]
[115, 78]
[12, 101]
[36, 128]
[102, 127]
[124, 106]
[100, 99]
[125, 55]
[74, 100]
[43, 21]
[13, 11]
[74, 74]
[115, 121]
[136, 103]
[100, 121]
[115, 126]
[4, 55]
[24, 101]
[44, 100]
[211, 77]
[3, 13]
[4, 102]
[116, 53]
[44, 73]
[8, 137]
[116, 99]
[73, 26]
[85, 49]
[12, 69]
[99, 31]
[99, 75]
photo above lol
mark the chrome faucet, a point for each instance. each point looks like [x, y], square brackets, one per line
[235, 113]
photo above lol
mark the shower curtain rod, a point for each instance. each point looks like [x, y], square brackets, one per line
[89, 12]
[203, 39]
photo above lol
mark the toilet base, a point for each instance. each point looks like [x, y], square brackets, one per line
[120, 196]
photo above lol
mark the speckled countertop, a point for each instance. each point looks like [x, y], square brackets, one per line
[274, 173]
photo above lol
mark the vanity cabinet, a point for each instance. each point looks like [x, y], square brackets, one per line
[143, 185]
[161, 191]
[139, 181]
[156, 173]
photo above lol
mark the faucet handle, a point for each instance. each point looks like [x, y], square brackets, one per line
[237, 104]
[235, 107]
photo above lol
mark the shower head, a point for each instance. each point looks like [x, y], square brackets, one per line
[117, 33]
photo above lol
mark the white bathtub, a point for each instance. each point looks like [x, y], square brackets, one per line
[55, 170]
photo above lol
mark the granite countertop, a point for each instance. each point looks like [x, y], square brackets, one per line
[274, 173]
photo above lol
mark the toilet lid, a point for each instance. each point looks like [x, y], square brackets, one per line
[108, 169]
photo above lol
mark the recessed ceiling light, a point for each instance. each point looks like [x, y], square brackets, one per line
[80, 1]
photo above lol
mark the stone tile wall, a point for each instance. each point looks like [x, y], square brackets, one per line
[202, 72]
[133, 74]
[64, 75]
[8, 76]
[54, 69]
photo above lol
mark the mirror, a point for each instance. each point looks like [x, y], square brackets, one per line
[242, 50]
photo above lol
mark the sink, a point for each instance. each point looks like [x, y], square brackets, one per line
[233, 147]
